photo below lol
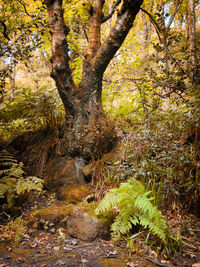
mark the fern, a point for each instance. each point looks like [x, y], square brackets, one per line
[27, 184]
[14, 230]
[134, 206]
[12, 180]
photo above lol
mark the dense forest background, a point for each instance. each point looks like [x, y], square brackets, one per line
[151, 92]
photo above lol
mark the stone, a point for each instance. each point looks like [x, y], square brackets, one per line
[82, 224]
[60, 171]
[50, 217]
[88, 169]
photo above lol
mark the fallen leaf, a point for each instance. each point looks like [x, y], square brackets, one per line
[67, 248]
[131, 264]
[60, 262]
[84, 260]
[112, 254]
[34, 245]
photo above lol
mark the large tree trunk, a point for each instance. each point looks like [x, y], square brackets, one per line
[88, 132]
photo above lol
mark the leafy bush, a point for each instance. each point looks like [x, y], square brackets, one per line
[133, 207]
[31, 111]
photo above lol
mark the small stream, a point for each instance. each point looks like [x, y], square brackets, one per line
[95, 254]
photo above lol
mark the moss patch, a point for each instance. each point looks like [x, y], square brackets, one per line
[74, 193]
[53, 214]
[90, 208]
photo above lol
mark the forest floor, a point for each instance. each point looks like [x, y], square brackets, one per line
[40, 247]
[44, 247]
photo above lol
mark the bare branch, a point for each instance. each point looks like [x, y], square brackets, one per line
[154, 22]
[175, 10]
[24, 6]
[85, 33]
[5, 32]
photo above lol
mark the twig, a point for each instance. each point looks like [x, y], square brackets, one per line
[6, 240]
[194, 230]
[156, 262]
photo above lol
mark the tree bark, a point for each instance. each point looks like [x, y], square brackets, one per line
[192, 39]
[88, 132]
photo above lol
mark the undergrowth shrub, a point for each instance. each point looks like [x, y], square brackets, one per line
[162, 150]
[31, 111]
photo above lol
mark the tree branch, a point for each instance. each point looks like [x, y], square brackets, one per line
[158, 31]
[154, 22]
[112, 11]
[24, 6]
[175, 10]
[125, 17]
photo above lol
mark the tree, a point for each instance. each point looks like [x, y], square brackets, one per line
[88, 131]
[192, 35]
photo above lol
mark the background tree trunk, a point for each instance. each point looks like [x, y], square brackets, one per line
[192, 38]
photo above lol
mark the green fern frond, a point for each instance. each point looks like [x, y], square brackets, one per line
[12, 179]
[6, 185]
[134, 206]
[28, 184]
[108, 202]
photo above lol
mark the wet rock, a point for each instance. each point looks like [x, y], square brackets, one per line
[88, 169]
[60, 171]
[86, 226]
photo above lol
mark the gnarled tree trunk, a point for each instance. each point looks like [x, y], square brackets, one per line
[88, 132]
